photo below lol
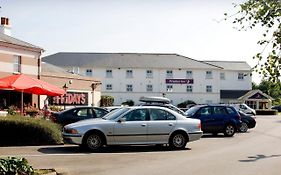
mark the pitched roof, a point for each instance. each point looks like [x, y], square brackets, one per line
[10, 40]
[52, 70]
[126, 60]
[232, 65]
[257, 94]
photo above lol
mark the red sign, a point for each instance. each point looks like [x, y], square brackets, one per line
[70, 98]
[179, 81]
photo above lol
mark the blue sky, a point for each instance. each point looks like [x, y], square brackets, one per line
[186, 27]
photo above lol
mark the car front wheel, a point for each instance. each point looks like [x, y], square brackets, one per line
[93, 142]
[229, 130]
[178, 141]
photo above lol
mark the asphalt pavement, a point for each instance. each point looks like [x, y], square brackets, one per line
[257, 152]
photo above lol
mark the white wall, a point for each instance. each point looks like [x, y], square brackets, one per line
[231, 81]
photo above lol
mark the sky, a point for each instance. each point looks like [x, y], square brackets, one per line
[193, 28]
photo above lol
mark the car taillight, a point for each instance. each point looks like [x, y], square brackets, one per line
[199, 125]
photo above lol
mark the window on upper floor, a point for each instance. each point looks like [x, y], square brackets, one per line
[209, 74]
[240, 76]
[89, 72]
[129, 73]
[149, 74]
[222, 76]
[129, 88]
[209, 88]
[169, 88]
[108, 73]
[169, 74]
[189, 74]
[188, 88]
[149, 88]
[109, 87]
[17, 63]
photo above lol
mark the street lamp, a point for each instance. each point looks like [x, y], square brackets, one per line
[65, 87]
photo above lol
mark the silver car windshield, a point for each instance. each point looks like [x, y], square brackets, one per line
[115, 114]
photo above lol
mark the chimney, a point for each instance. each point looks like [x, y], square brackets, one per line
[5, 27]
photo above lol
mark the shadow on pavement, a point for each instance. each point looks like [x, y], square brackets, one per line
[258, 157]
[73, 149]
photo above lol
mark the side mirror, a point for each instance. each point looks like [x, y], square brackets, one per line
[121, 120]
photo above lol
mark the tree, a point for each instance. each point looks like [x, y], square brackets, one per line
[270, 88]
[265, 14]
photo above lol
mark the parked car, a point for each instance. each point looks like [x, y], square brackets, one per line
[216, 118]
[134, 125]
[248, 122]
[112, 108]
[160, 101]
[244, 108]
[76, 114]
[278, 108]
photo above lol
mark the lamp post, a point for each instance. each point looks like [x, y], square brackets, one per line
[65, 87]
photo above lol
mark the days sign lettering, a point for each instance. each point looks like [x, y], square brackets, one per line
[70, 98]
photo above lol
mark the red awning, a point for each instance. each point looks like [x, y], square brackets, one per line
[24, 83]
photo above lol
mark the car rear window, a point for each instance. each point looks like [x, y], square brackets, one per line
[230, 110]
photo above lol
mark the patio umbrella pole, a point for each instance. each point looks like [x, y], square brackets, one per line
[21, 108]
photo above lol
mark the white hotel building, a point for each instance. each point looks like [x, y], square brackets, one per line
[128, 76]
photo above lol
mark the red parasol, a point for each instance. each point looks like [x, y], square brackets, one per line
[24, 83]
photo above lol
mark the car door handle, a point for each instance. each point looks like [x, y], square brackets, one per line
[143, 125]
[170, 124]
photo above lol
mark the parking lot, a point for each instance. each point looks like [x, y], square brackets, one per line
[256, 152]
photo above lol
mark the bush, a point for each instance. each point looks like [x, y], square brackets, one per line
[186, 104]
[106, 100]
[12, 110]
[128, 103]
[266, 112]
[19, 130]
[55, 108]
[13, 165]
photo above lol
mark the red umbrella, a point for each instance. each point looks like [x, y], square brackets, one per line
[24, 83]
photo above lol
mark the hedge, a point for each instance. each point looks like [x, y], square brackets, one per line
[23, 131]
[266, 112]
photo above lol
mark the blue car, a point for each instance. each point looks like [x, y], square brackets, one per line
[216, 118]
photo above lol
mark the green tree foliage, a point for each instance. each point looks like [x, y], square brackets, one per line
[265, 14]
[270, 88]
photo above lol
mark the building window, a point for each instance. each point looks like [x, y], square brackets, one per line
[240, 76]
[209, 74]
[169, 88]
[169, 74]
[188, 88]
[149, 88]
[222, 76]
[17, 63]
[129, 88]
[109, 87]
[188, 74]
[89, 72]
[129, 73]
[149, 74]
[108, 74]
[209, 88]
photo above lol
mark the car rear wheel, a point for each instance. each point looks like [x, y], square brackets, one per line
[244, 127]
[229, 130]
[93, 142]
[178, 141]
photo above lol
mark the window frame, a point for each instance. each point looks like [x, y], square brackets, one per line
[108, 73]
[17, 64]
[129, 73]
[129, 88]
[209, 74]
[209, 88]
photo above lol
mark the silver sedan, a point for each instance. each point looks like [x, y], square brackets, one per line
[132, 126]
